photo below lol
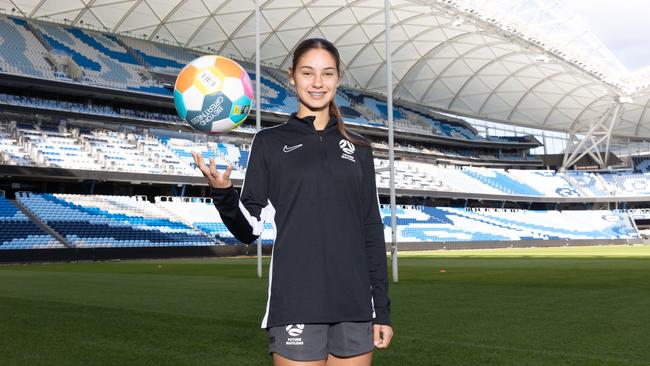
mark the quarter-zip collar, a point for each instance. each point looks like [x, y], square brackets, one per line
[307, 122]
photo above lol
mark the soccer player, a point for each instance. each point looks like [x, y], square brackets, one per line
[328, 298]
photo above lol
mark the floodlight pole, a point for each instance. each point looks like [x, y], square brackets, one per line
[391, 142]
[258, 111]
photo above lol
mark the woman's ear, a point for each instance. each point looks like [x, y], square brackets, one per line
[290, 76]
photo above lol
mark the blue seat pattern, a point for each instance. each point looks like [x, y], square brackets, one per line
[18, 232]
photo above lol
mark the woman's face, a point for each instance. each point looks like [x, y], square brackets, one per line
[316, 79]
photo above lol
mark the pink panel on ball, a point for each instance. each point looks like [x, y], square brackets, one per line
[248, 84]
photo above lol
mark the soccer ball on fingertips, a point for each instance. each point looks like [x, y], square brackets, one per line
[213, 94]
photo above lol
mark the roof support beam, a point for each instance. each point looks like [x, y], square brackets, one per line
[596, 139]
[83, 12]
[117, 25]
[641, 117]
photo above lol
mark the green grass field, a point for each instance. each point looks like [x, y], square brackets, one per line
[556, 306]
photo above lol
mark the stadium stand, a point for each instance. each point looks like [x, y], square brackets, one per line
[627, 184]
[103, 60]
[122, 62]
[41, 50]
[111, 221]
[500, 180]
[547, 182]
[588, 183]
[97, 149]
[49, 147]
[125, 152]
[122, 221]
[20, 51]
[200, 212]
[87, 108]
[11, 153]
[156, 56]
[449, 224]
[183, 148]
[17, 231]
[131, 151]
[641, 163]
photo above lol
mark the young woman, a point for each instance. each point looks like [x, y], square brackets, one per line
[328, 298]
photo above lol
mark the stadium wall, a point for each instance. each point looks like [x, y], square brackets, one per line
[102, 254]
[405, 247]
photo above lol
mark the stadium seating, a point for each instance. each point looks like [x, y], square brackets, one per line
[87, 108]
[17, 231]
[159, 57]
[547, 182]
[122, 221]
[119, 151]
[124, 62]
[103, 59]
[641, 164]
[449, 224]
[20, 51]
[590, 184]
[500, 180]
[165, 153]
[201, 213]
[11, 153]
[56, 149]
[628, 184]
[219, 151]
[111, 221]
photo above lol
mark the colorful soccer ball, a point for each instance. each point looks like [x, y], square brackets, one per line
[213, 94]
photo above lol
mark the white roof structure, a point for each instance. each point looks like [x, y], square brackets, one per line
[522, 62]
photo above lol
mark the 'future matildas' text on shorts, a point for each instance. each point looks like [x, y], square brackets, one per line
[311, 342]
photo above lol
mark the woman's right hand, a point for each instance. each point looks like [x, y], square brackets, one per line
[215, 179]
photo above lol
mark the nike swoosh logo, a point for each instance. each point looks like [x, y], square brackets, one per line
[290, 148]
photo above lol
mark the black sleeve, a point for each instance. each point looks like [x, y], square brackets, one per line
[244, 215]
[375, 244]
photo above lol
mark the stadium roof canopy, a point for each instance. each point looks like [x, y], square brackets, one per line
[523, 62]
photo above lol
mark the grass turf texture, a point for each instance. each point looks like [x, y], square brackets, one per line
[557, 306]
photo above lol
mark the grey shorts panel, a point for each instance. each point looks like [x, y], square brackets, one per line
[311, 342]
[350, 338]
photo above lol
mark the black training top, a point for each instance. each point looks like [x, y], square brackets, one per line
[328, 262]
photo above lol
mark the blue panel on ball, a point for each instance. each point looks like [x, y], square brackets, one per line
[215, 107]
[180, 106]
[240, 109]
[191, 115]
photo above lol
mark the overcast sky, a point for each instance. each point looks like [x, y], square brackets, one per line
[622, 25]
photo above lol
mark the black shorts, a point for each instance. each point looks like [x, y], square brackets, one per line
[312, 342]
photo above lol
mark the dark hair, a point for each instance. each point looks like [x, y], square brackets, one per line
[334, 110]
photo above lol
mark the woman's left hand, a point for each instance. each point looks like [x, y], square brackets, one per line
[382, 335]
